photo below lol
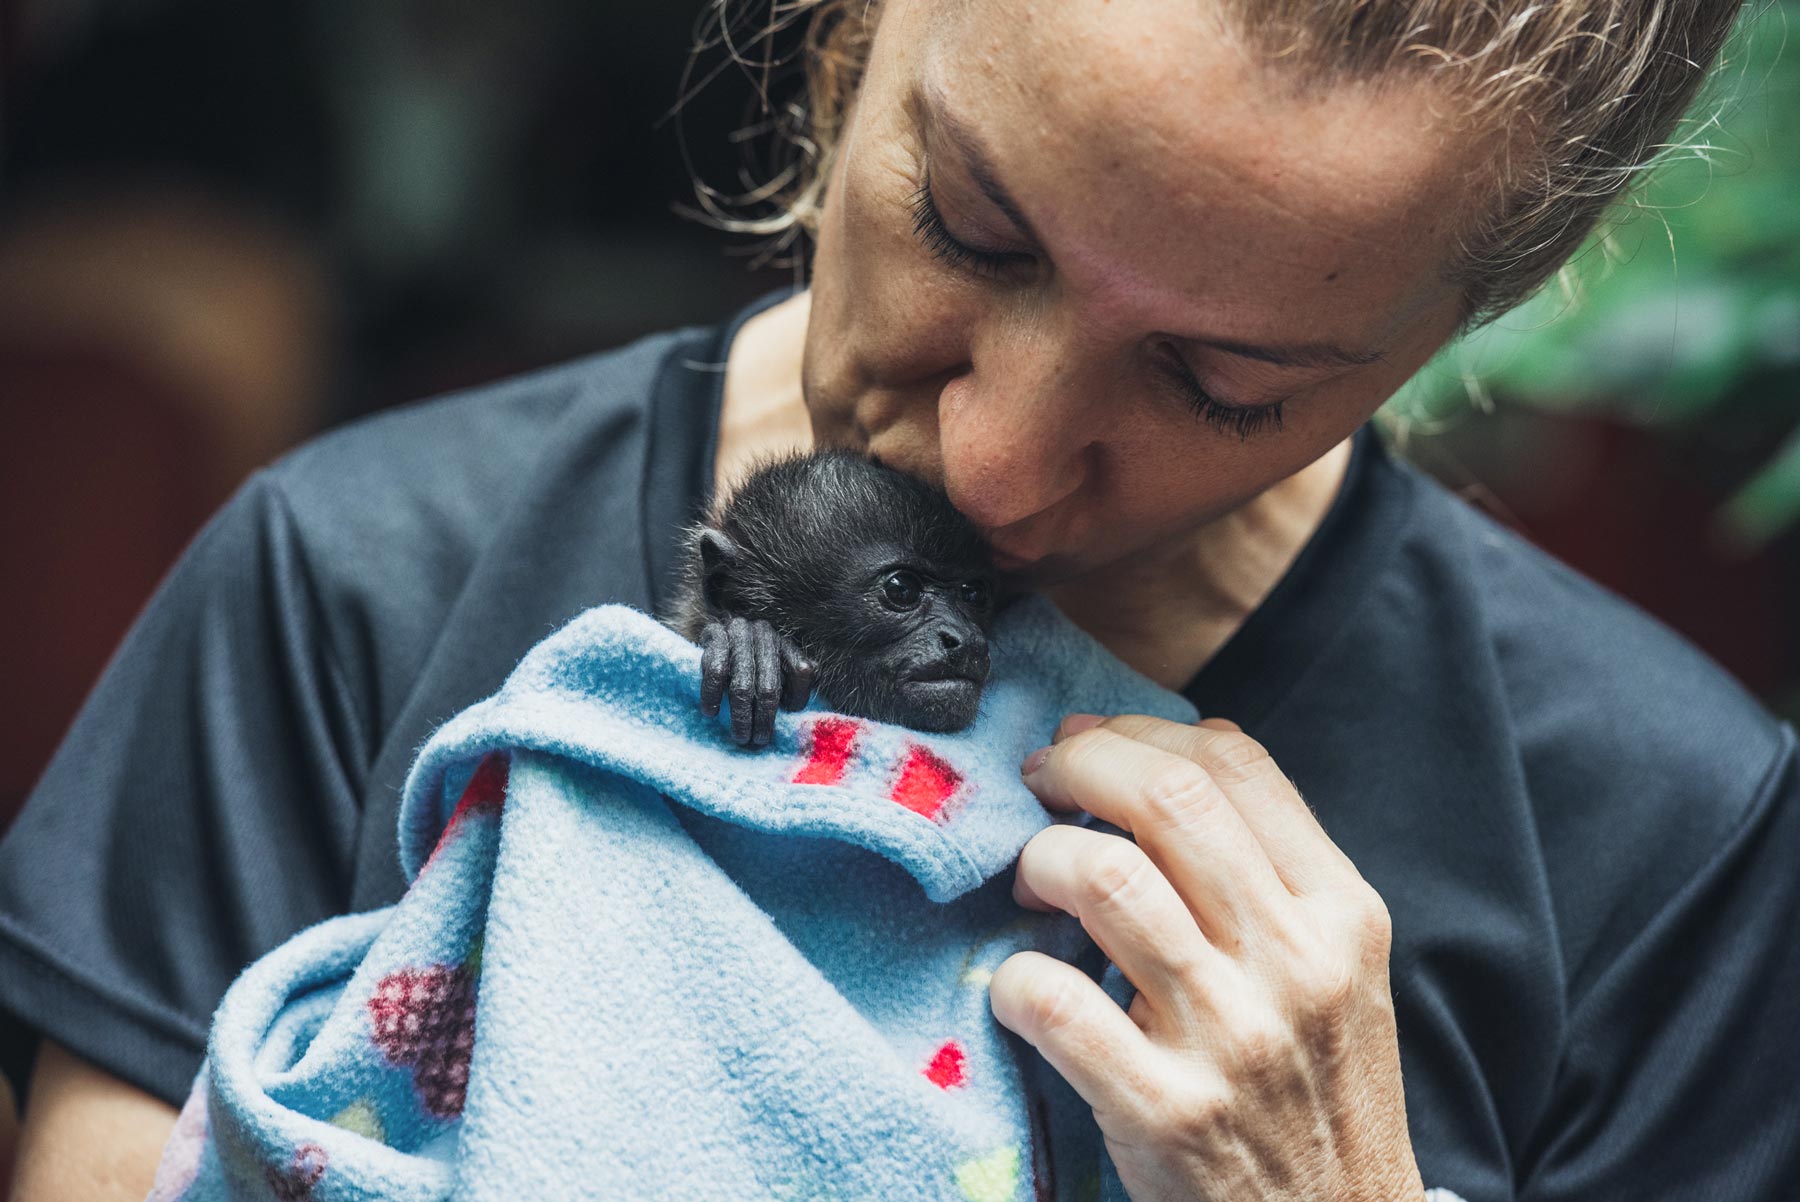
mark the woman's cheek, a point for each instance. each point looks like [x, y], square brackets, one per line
[912, 313]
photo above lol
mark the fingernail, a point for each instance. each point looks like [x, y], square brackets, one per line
[1034, 761]
[1074, 724]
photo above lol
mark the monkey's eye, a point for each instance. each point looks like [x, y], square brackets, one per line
[902, 589]
[976, 593]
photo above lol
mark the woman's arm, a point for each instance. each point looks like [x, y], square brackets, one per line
[203, 807]
[87, 1134]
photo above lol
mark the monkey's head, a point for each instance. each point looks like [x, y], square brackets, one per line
[869, 572]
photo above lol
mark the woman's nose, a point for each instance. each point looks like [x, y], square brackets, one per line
[1016, 434]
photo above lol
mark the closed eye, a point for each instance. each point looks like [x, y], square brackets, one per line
[1241, 420]
[928, 225]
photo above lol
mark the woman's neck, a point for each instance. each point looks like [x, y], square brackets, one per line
[764, 411]
[1165, 614]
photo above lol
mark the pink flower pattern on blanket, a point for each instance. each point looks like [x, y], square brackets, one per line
[424, 1020]
[181, 1155]
[295, 1182]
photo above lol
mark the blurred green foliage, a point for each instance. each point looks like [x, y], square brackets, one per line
[1688, 306]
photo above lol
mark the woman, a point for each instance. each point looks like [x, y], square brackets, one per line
[1128, 277]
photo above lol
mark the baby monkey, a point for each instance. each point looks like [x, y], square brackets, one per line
[830, 571]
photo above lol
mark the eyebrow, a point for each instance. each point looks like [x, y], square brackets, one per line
[1302, 354]
[979, 164]
[1315, 355]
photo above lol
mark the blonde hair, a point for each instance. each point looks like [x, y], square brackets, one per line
[1590, 91]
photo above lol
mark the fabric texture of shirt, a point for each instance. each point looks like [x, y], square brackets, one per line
[1587, 834]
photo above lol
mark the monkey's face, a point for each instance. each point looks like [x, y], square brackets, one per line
[1105, 278]
[914, 649]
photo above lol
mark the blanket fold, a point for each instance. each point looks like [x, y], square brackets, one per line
[636, 961]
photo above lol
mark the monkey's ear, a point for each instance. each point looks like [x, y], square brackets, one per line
[717, 552]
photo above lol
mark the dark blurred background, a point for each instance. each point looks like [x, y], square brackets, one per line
[225, 226]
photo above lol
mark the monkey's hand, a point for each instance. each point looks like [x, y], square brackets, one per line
[749, 660]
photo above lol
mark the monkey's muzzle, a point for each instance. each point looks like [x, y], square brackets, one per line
[942, 698]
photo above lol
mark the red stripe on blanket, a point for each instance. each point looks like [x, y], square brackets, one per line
[486, 790]
[484, 794]
[833, 739]
[925, 783]
[947, 1067]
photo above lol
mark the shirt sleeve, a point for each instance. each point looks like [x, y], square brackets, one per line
[203, 807]
[1677, 1079]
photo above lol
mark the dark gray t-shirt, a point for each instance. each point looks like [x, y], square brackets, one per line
[1588, 836]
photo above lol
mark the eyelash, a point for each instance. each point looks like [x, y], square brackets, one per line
[928, 225]
[1241, 420]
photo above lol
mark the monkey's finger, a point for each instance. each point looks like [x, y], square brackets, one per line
[768, 682]
[715, 667]
[743, 679]
[797, 672]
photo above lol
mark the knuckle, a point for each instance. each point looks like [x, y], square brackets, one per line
[1051, 1005]
[1179, 793]
[1117, 877]
[1328, 990]
[1233, 755]
[1373, 927]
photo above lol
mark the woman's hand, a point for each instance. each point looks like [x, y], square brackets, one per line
[1259, 1059]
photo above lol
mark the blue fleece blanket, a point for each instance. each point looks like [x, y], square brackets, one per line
[638, 962]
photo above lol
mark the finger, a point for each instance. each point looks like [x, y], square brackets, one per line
[799, 676]
[1080, 1031]
[1180, 817]
[743, 679]
[1074, 724]
[768, 682]
[1303, 855]
[1128, 907]
[715, 667]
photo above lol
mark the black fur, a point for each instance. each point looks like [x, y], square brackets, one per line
[805, 544]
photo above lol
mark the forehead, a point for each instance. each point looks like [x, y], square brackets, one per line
[1168, 172]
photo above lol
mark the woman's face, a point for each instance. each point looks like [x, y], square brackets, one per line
[1106, 280]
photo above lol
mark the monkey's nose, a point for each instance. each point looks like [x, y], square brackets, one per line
[949, 640]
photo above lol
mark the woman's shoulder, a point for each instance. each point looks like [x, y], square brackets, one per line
[1636, 751]
[515, 503]
[421, 489]
[476, 441]
[1563, 643]
[1584, 829]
